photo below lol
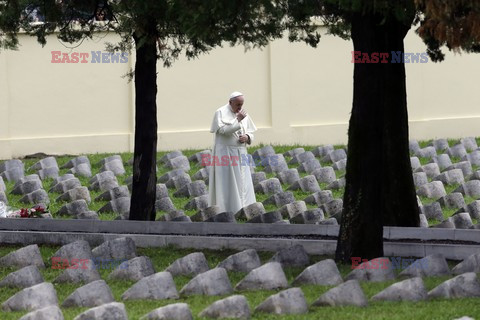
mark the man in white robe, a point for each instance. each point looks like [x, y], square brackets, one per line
[230, 179]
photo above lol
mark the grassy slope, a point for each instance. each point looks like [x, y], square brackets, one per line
[162, 257]
[437, 309]
[182, 201]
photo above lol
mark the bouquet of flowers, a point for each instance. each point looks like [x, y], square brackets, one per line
[36, 211]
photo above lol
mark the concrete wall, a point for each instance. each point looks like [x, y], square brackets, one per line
[294, 93]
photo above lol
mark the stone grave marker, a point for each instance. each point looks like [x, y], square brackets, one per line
[244, 261]
[206, 214]
[312, 216]
[427, 152]
[454, 176]
[470, 188]
[76, 161]
[258, 176]
[308, 184]
[335, 156]
[443, 161]
[27, 187]
[340, 165]
[432, 190]
[170, 174]
[180, 162]
[290, 210]
[78, 193]
[263, 152]
[11, 164]
[13, 174]
[290, 301]
[65, 185]
[164, 204]
[174, 154]
[51, 172]
[234, 307]
[288, 176]
[469, 143]
[457, 150]
[82, 170]
[119, 205]
[453, 200]
[48, 162]
[179, 181]
[198, 203]
[322, 151]
[175, 216]
[293, 152]
[193, 189]
[115, 166]
[115, 157]
[415, 163]
[225, 217]
[269, 186]
[107, 311]
[74, 208]
[171, 311]
[431, 170]
[280, 198]
[320, 197]
[301, 157]
[274, 163]
[337, 184]
[309, 166]
[419, 179]
[197, 157]
[36, 197]
[213, 282]
[465, 166]
[440, 144]
[250, 211]
[115, 193]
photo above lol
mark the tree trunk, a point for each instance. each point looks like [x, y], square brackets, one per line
[379, 184]
[142, 205]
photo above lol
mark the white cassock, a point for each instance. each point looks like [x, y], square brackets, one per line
[230, 184]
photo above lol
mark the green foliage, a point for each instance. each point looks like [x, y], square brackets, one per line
[177, 27]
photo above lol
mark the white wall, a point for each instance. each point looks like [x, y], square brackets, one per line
[294, 93]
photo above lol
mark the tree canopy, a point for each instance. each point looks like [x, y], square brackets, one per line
[187, 27]
[451, 23]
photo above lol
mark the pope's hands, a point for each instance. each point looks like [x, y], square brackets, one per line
[241, 115]
[243, 138]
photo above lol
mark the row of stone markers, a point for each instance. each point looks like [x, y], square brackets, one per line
[429, 179]
[69, 187]
[105, 181]
[40, 297]
[290, 210]
[462, 218]
[14, 170]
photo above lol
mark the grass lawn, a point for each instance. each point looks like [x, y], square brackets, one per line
[162, 257]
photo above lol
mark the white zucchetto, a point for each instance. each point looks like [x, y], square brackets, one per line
[235, 94]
